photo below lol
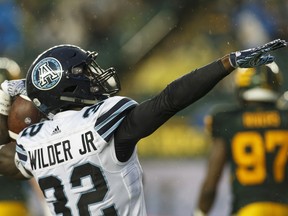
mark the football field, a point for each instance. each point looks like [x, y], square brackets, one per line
[172, 186]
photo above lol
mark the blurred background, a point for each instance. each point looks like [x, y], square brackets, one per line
[151, 43]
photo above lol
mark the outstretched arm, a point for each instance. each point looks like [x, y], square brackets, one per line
[148, 116]
[145, 118]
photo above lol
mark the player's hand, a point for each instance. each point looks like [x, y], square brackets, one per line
[9, 89]
[256, 56]
[14, 87]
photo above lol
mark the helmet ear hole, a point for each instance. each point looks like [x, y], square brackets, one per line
[70, 89]
[94, 89]
[77, 70]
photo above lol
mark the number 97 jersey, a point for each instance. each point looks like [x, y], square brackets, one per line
[73, 159]
[256, 140]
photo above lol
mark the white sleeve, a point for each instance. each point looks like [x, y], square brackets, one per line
[22, 168]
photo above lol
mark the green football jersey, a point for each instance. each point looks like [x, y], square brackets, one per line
[257, 144]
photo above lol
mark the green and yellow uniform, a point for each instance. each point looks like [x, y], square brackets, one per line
[256, 140]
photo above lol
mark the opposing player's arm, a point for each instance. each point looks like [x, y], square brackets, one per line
[215, 167]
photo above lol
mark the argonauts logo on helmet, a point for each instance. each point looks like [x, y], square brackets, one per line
[47, 73]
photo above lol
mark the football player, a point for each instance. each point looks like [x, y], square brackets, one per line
[252, 138]
[84, 158]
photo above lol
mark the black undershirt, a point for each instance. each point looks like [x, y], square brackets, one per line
[149, 115]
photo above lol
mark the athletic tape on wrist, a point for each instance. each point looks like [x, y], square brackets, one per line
[5, 103]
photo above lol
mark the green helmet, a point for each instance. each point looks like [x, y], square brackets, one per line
[261, 84]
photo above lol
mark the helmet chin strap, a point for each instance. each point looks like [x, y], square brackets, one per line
[50, 115]
[79, 100]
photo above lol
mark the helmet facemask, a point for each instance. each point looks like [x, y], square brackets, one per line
[102, 81]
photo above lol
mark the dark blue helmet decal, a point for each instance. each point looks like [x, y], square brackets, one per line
[47, 73]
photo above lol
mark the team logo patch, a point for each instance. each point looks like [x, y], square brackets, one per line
[47, 73]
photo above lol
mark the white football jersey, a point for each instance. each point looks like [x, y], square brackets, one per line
[73, 159]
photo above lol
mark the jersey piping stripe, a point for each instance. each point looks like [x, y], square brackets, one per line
[107, 123]
[21, 152]
[113, 115]
[107, 135]
[113, 110]
[112, 121]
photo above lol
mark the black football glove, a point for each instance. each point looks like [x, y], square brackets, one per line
[256, 56]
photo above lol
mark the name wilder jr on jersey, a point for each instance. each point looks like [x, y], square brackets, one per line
[60, 152]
